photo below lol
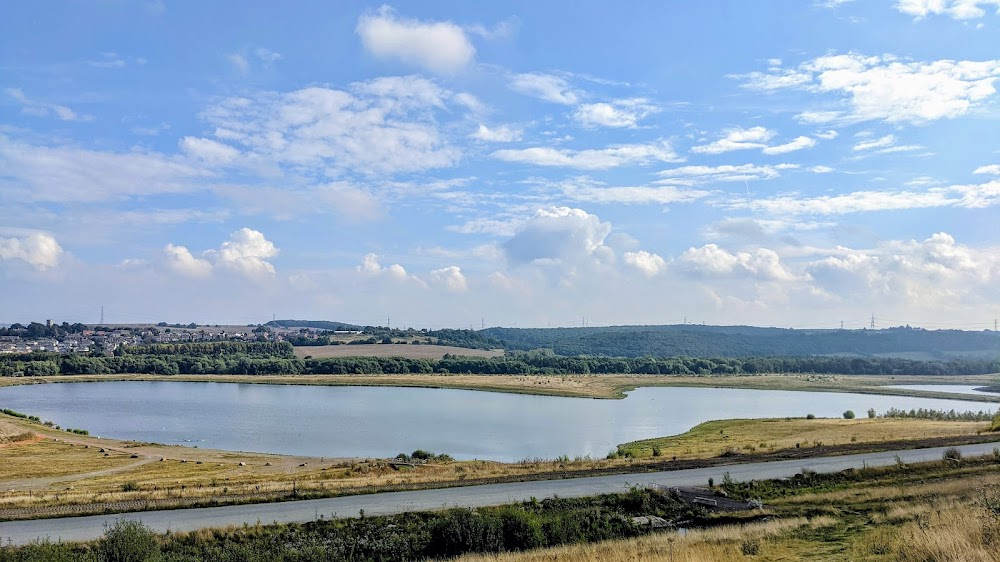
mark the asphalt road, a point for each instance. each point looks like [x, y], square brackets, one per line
[88, 528]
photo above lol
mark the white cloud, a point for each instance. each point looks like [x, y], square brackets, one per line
[711, 260]
[44, 109]
[881, 142]
[109, 60]
[933, 274]
[993, 169]
[885, 88]
[885, 145]
[246, 253]
[39, 250]
[180, 259]
[370, 265]
[820, 169]
[618, 113]
[69, 174]
[648, 263]
[693, 175]
[544, 86]
[208, 150]
[503, 133]
[963, 196]
[592, 159]
[584, 189]
[440, 47]
[239, 62]
[798, 143]
[451, 278]
[956, 9]
[737, 139]
[267, 57]
[827, 135]
[558, 234]
[385, 125]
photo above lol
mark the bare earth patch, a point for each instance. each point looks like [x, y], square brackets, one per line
[392, 350]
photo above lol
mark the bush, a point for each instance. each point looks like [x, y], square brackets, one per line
[130, 487]
[128, 541]
[951, 454]
[849, 415]
[871, 413]
[810, 416]
[750, 546]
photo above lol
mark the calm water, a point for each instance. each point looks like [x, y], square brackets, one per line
[953, 388]
[383, 421]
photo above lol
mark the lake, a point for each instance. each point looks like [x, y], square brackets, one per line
[345, 421]
[951, 388]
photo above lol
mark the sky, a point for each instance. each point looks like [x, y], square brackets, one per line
[461, 164]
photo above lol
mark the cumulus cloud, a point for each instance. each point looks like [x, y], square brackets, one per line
[39, 250]
[439, 46]
[450, 278]
[180, 260]
[648, 263]
[885, 88]
[44, 109]
[737, 139]
[956, 9]
[246, 253]
[558, 234]
[503, 133]
[545, 87]
[992, 169]
[370, 265]
[622, 113]
[935, 272]
[711, 260]
[592, 159]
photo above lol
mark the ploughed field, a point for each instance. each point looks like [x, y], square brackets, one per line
[408, 351]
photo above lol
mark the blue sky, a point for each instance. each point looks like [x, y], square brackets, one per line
[532, 164]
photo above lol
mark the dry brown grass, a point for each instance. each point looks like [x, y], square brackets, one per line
[48, 458]
[393, 350]
[11, 433]
[748, 436]
[712, 545]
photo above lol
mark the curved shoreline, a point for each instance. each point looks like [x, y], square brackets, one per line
[576, 386]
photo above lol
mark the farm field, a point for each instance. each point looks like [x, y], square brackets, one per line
[392, 350]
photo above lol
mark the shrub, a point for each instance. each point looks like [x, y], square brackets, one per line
[849, 415]
[871, 413]
[750, 546]
[130, 487]
[127, 541]
[810, 416]
[951, 454]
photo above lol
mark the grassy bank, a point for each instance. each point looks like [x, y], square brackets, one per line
[945, 511]
[581, 386]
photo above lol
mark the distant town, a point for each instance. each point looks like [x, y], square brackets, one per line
[82, 338]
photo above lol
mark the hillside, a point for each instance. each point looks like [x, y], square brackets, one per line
[749, 341]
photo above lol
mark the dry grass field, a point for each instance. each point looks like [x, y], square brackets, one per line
[947, 515]
[738, 437]
[392, 350]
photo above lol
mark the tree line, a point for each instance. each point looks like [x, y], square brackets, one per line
[274, 358]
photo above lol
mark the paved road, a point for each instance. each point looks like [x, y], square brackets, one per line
[87, 528]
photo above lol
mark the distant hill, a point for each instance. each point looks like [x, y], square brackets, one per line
[750, 341]
[314, 324]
